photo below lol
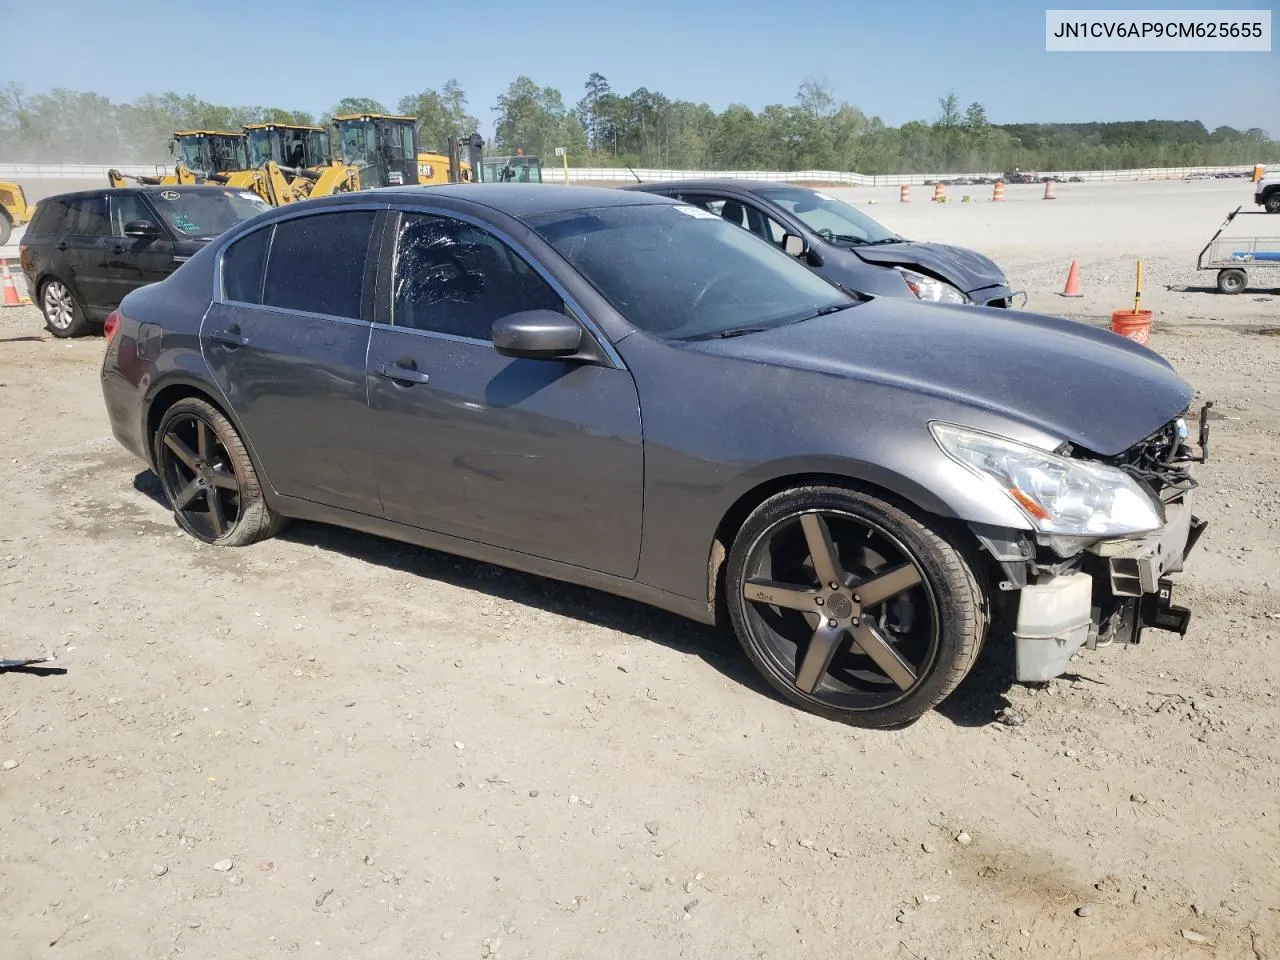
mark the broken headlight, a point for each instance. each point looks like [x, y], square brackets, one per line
[931, 288]
[1058, 495]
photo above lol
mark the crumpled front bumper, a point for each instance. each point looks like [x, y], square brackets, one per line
[999, 296]
[1120, 588]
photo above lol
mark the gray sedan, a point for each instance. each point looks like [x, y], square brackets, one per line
[845, 245]
[619, 390]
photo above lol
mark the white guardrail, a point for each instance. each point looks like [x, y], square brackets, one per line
[554, 173]
[75, 171]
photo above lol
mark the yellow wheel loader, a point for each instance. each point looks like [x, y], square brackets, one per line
[14, 211]
[202, 155]
[383, 147]
[302, 152]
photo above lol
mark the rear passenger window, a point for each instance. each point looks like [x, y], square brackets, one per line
[88, 216]
[243, 265]
[50, 219]
[317, 263]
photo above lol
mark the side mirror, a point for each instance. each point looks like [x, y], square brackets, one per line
[536, 335]
[141, 228]
[793, 245]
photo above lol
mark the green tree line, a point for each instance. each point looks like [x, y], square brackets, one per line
[645, 128]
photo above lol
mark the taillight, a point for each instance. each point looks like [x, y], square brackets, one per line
[111, 325]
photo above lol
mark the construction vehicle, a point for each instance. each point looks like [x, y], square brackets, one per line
[203, 155]
[207, 153]
[300, 151]
[14, 211]
[514, 169]
[280, 162]
[382, 146]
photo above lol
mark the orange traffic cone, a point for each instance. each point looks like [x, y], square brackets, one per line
[1072, 288]
[904, 193]
[10, 290]
[939, 192]
[997, 192]
[1048, 190]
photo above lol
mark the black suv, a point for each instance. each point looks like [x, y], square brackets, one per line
[84, 251]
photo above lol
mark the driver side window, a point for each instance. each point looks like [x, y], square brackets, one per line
[453, 278]
[744, 215]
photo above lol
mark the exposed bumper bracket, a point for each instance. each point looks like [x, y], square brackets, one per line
[1158, 610]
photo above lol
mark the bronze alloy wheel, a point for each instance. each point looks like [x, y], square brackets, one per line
[849, 606]
[208, 478]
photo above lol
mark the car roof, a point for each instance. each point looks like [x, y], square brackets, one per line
[138, 188]
[713, 183]
[516, 200]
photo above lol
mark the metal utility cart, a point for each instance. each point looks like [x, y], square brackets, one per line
[1233, 257]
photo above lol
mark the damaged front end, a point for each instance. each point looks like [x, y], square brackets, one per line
[1069, 592]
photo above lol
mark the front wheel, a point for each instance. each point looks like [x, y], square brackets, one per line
[1232, 281]
[852, 608]
[1271, 203]
[5, 228]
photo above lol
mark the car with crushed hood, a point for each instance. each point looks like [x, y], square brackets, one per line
[844, 245]
[627, 392]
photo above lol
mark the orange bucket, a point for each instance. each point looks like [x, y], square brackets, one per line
[1134, 324]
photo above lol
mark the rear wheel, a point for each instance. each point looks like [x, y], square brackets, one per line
[209, 479]
[1232, 281]
[852, 608]
[62, 315]
[5, 228]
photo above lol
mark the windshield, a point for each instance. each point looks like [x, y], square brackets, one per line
[681, 272]
[196, 155]
[829, 217]
[358, 143]
[260, 143]
[204, 213]
[318, 154]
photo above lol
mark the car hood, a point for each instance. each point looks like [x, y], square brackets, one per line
[963, 268]
[1085, 385]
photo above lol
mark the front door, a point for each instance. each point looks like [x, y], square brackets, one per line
[287, 342]
[132, 262]
[543, 457]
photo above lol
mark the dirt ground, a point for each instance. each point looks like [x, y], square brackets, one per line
[329, 745]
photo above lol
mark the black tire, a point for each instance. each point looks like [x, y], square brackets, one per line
[844, 687]
[1232, 281]
[6, 228]
[1271, 202]
[198, 467]
[62, 314]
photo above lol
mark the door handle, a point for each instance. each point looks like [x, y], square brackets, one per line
[231, 337]
[394, 371]
[117, 249]
[62, 245]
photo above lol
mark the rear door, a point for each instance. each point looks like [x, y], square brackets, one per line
[543, 457]
[132, 262]
[83, 253]
[286, 343]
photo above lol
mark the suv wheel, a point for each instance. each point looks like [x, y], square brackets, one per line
[852, 608]
[62, 315]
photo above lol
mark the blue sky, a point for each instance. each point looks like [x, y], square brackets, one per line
[889, 59]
